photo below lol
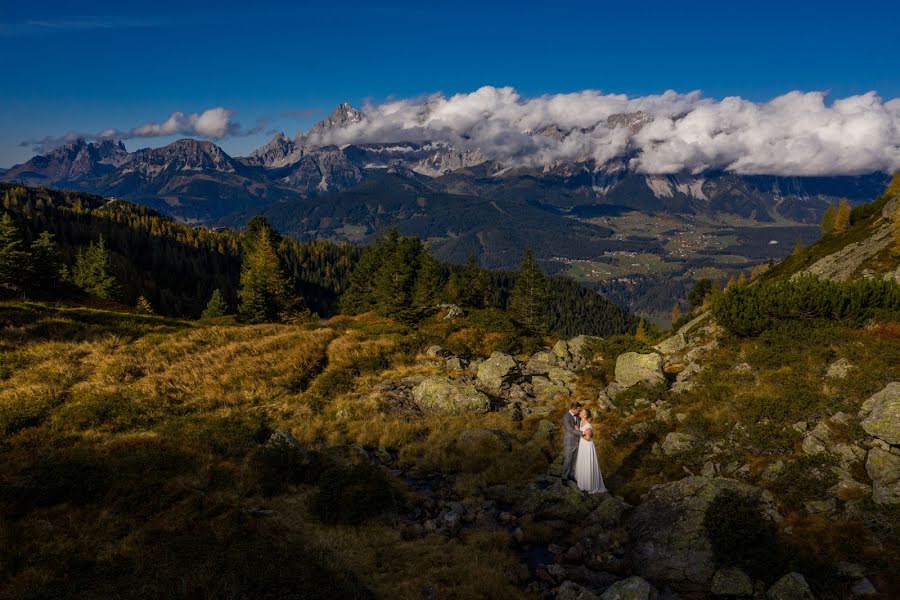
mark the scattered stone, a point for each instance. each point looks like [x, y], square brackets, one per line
[839, 369]
[633, 368]
[456, 363]
[546, 430]
[437, 352]
[633, 588]
[610, 512]
[816, 507]
[453, 312]
[731, 582]
[709, 469]
[569, 590]
[792, 586]
[671, 345]
[863, 588]
[881, 414]
[742, 369]
[677, 442]
[883, 468]
[445, 397]
[850, 570]
[540, 362]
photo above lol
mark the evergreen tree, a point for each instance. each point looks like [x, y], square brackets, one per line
[361, 291]
[741, 280]
[828, 220]
[396, 277]
[842, 218]
[265, 294]
[47, 268]
[144, 306]
[92, 270]
[732, 282]
[640, 333]
[474, 286]
[216, 306]
[755, 273]
[701, 290]
[428, 281]
[14, 262]
[529, 297]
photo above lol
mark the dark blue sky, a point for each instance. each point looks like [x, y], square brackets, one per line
[88, 66]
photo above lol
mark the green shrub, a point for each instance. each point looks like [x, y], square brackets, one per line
[806, 478]
[351, 495]
[750, 310]
[741, 537]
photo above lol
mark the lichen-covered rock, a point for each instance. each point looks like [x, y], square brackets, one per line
[540, 363]
[677, 442]
[881, 414]
[671, 345]
[569, 590]
[839, 369]
[557, 501]
[445, 397]
[546, 391]
[456, 363]
[561, 350]
[437, 352]
[731, 582]
[669, 543]
[684, 380]
[633, 588]
[633, 368]
[497, 372]
[792, 586]
[884, 470]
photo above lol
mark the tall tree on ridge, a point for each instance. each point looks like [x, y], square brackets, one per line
[265, 294]
[14, 262]
[92, 270]
[528, 300]
[842, 218]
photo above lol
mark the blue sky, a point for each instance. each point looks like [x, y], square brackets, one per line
[89, 66]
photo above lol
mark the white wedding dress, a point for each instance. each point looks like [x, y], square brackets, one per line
[587, 468]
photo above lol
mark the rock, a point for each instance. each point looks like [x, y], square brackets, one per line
[604, 401]
[792, 586]
[838, 369]
[815, 507]
[610, 512]
[709, 469]
[863, 588]
[683, 381]
[546, 390]
[437, 352]
[742, 369]
[445, 397]
[497, 372]
[884, 471]
[455, 363]
[881, 414]
[633, 588]
[559, 375]
[558, 501]
[773, 470]
[633, 368]
[819, 440]
[569, 590]
[731, 582]
[850, 570]
[487, 440]
[546, 430]
[677, 442]
[453, 312]
[669, 544]
[580, 346]
[540, 362]
[614, 389]
[561, 350]
[671, 345]
[452, 520]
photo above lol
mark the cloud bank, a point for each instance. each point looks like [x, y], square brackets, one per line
[799, 133]
[214, 123]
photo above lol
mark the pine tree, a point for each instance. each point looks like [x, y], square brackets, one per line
[640, 333]
[742, 280]
[216, 306]
[676, 313]
[265, 294]
[92, 270]
[715, 294]
[828, 220]
[842, 219]
[143, 306]
[529, 297]
[754, 273]
[474, 287]
[47, 268]
[701, 290]
[395, 279]
[428, 281]
[732, 282]
[14, 262]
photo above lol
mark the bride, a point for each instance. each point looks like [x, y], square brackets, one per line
[587, 468]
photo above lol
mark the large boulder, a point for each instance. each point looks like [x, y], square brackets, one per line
[498, 372]
[883, 468]
[569, 590]
[633, 588]
[881, 414]
[557, 501]
[540, 362]
[792, 586]
[731, 582]
[445, 397]
[671, 345]
[546, 391]
[669, 543]
[677, 442]
[633, 368]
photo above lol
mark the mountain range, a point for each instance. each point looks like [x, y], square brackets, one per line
[459, 199]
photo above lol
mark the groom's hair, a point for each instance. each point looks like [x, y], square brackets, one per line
[575, 405]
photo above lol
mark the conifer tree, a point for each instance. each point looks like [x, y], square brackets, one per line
[842, 218]
[14, 261]
[396, 276]
[701, 290]
[143, 306]
[428, 280]
[92, 270]
[730, 283]
[755, 273]
[47, 268]
[640, 333]
[474, 287]
[828, 220]
[742, 280]
[265, 294]
[529, 296]
[216, 306]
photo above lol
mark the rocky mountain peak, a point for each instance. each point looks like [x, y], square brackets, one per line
[342, 116]
[182, 155]
[634, 121]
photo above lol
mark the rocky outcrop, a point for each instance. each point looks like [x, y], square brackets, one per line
[633, 368]
[880, 414]
[792, 586]
[669, 544]
[731, 582]
[445, 397]
[498, 372]
[633, 588]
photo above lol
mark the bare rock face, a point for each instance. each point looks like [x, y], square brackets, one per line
[883, 468]
[633, 588]
[498, 372]
[881, 414]
[792, 586]
[633, 368]
[669, 542]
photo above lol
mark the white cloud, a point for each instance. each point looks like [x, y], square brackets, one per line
[794, 134]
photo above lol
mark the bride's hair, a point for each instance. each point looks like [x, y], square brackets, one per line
[588, 412]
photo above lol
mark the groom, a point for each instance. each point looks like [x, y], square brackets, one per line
[571, 437]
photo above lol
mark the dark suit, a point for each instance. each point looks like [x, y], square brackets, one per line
[571, 438]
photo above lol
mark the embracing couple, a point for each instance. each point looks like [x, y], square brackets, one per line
[580, 457]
